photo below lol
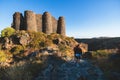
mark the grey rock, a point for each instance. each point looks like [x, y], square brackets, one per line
[73, 71]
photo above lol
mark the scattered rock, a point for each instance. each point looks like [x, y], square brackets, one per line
[24, 39]
[7, 43]
[72, 71]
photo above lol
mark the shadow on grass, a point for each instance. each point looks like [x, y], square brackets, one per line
[29, 69]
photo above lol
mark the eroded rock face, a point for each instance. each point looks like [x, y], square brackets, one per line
[24, 39]
[7, 43]
[84, 47]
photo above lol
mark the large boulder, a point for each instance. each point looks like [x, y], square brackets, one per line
[21, 38]
[24, 39]
[84, 47]
[7, 43]
[57, 41]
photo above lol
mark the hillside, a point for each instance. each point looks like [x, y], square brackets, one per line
[24, 43]
[101, 43]
[105, 54]
[28, 55]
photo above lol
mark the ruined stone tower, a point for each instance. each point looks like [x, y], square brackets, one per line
[47, 23]
[30, 21]
[17, 21]
[39, 23]
[61, 26]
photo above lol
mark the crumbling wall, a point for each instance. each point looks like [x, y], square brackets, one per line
[39, 22]
[54, 25]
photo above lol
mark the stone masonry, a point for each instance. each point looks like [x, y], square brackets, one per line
[30, 21]
[39, 23]
[47, 23]
[61, 26]
[17, 21]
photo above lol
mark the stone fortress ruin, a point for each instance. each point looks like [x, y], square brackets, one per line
[45, 23]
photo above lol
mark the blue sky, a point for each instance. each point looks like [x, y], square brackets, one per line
[84, 18]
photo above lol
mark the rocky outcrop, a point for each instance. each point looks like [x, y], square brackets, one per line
[84, 47]
[24, 39]
[7, 43]
[39, 23]
[71, 70]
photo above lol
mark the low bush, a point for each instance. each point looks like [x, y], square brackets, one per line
[23, 70]
[17, 49]
[3, 56]
[7, 32]
[101, 54]
[15, 73]
[36, 38]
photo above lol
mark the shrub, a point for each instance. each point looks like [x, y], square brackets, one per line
[66, 51]
[23, 70]
[36, 38]
[62, 47]
[3, 56]
[7, 32]
[16, 72]
[101, 53]
[17, 49]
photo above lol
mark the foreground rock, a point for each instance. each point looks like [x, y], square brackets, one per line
[71, 70]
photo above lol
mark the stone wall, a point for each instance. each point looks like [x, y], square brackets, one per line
[30, 21]
[39, 23]
[17, 21]
[54, 25]
[61, 26]
[47, 23]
